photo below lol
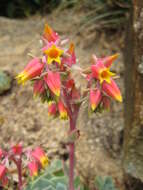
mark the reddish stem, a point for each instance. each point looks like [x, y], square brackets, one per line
[18, 164]
[19, 168]
[72, 155]
[73, 110]
[71, 167]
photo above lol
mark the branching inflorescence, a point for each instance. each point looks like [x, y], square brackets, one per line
[33, 160]
[51, 76]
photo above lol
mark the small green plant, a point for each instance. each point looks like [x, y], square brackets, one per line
[53, 178]
[105, 183]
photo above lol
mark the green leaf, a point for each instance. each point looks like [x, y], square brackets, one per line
[61, 186]
[56, 180]
[55, 166]
[5, 82]
[105, 183]
[77, 183]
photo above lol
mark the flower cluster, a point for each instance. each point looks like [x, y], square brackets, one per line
[102, 86]
[36, 159]
[53, 82]
[51, 73]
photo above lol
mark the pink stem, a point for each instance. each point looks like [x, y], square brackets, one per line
[72, 155]
[19, 168]
[73, 113]
[71, 169]
[18, 164]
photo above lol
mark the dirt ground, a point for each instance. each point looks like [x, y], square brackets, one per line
[25, 119]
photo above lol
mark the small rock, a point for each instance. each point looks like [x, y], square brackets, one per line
[5, 82]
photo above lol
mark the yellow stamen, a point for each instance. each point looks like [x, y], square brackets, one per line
[44, 161]
[63, 115]
[54, 54]
[105, 75]
[22, 78]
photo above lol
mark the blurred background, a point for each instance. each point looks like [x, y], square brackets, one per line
[95, 26]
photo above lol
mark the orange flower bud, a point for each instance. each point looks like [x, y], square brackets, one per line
[52, 108]
[95, 98]
[49, 34]
[62, 110]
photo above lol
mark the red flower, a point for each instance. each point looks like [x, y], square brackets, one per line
[101, 73]
[17, 149]
[53, 81]
[62, 110]
[3, 171]
[38, 87]
[33, 168]
[33, 69]
[52, 108]
[39, 155]
[95, 98]
[112, 90]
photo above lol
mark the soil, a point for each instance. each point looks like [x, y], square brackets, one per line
[22, 118]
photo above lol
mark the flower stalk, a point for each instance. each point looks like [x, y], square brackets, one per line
[19, 169]
[54, 83]
[72, 155]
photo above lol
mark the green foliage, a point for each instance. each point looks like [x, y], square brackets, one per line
[105, 183]
[5, 82]
[53, 178]
[24, 8]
